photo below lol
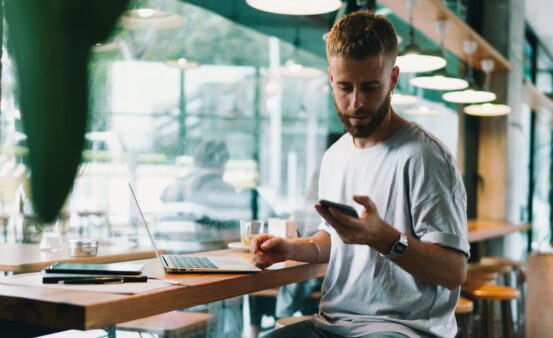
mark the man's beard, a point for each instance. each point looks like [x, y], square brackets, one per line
[365, 129]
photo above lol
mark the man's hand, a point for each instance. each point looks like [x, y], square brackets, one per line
[267, 250]
[368, 229]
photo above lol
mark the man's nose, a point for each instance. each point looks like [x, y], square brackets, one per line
[356, 100]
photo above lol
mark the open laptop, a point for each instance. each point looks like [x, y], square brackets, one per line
[188, 263]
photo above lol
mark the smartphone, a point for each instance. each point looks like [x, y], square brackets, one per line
[95, 268]
[346, 209]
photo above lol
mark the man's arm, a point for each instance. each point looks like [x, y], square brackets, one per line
[426, 261]
[268, 249]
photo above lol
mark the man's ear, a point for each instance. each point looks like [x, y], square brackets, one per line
[395, 77]
[330, 74]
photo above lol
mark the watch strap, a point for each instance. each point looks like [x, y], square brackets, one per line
[398, 248]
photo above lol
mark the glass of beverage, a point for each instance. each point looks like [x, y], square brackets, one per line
[249, 229]
[51, 237]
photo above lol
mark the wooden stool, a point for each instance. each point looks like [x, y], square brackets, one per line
[282, 322]
[463, 310]
[488, 293]
[170, 324]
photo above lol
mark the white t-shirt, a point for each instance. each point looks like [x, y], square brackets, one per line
[413, 180]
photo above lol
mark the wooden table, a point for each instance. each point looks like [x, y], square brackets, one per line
[481, 230]
[23, 306]
[20, 258]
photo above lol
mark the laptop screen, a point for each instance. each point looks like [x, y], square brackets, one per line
[144, 222]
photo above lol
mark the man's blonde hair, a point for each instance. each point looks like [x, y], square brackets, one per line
[362, 34]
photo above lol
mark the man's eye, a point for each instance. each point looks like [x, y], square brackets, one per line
[345, 88]
[368, 88]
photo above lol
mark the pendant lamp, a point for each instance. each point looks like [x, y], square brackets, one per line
[182, 63]
[422, 111]
[150, 19]
[412, 59]
[487, 109]
[296, 7]
[403, 99]
[473, 94]
[440, 79]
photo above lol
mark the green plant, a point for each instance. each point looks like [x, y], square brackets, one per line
[51, 41]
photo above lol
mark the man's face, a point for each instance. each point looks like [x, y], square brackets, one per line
[362, 91]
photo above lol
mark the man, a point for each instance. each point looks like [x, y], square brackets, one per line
[396, 270]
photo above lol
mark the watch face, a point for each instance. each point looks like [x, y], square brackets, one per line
[400, 248]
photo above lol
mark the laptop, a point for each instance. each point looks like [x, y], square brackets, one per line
[189, 263]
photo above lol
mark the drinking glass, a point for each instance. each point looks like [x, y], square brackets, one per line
[51, 237]
[249, 229]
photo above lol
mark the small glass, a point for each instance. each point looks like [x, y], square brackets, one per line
[249, 229]
[51, 237]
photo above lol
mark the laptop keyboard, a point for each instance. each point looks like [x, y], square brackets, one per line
[191, 262]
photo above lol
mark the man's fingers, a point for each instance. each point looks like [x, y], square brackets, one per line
[326, 215]
[271, 243]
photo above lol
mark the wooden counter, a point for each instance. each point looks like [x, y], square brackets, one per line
[481, 230]
[62, 309]
[20, 258]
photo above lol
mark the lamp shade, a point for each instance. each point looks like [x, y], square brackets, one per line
[469, 96]
[413, 60]
[403, 99]
[182, 63]
[487, 109]
[150, 19]
[295, 7]
[422, 111]
[439, 82]
[293, 69]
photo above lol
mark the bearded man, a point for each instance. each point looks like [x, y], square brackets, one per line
[395, 271]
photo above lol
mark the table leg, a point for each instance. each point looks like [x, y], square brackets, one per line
[110, 330]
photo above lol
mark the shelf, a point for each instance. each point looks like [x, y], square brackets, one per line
[424, 17]
[538, 102]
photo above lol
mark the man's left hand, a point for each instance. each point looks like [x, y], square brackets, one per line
[368, 229]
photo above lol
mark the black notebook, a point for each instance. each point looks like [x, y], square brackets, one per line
[53, 278]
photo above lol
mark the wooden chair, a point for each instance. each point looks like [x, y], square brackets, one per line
[171, 324]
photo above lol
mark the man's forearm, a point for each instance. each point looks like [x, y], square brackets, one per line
[427, 261]
[314, 249]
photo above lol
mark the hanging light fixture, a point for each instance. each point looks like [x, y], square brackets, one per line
[473, 94]
[411, 59]
[422, 111]
[296, 7]
[440, 79]
[292, 68]
[150, 19]
[487, 109]
[182, 63]
[403, 99]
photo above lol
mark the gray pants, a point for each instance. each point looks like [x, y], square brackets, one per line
[306, 329]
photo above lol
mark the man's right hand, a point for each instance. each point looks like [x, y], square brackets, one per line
[268, 249]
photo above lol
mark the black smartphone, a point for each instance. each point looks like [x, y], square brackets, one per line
[96, 268]
[346, 209]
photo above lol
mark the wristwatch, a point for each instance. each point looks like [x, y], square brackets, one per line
[398, 248]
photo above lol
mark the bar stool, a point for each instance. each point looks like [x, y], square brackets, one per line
[488, 293]
[463, 310]
[518, 268]
[171, 324]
